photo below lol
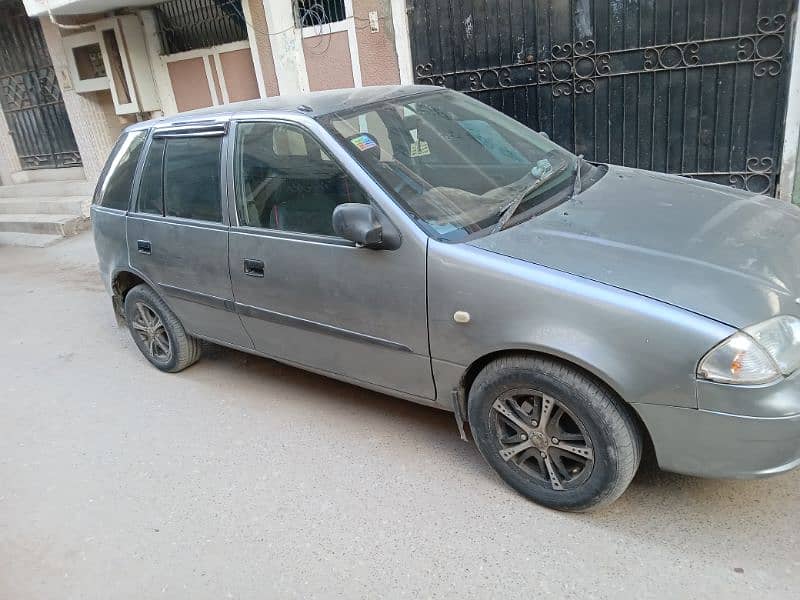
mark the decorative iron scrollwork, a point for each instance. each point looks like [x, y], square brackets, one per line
[426, 76]
[489, 79]
[673, 56]
[764, 49]
[16, 93]
[757, 177]
[572, 68]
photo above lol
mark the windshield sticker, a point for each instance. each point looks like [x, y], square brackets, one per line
[420, 148]
[364, 142]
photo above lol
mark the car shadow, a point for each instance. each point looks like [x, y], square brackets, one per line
[650, 504]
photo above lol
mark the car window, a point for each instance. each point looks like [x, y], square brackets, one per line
[192, 178]
[454, 163]
[371, 123]
[116, 188]
[286, 181]
[151, 196]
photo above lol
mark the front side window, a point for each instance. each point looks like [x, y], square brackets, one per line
[192, 178]
[116, 189]
[454, 163]
[286, 181]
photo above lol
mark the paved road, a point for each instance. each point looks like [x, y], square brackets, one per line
[242, 478]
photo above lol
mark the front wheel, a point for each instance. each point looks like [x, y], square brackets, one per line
[553, 433]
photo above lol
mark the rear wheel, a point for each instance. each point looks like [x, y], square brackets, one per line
[157, 332]
[553, 433]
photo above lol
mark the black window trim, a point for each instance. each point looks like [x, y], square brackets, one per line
[191, 130]
[236, 225]
[134, 206]
[97, 198]
[218, 130]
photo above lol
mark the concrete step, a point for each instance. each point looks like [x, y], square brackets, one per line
[50, 224]
[48, 205]
[31, 240]
[57, 189]
[65, 174]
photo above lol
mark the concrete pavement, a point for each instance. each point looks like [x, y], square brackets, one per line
[242, 478]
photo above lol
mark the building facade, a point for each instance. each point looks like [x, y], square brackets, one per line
[73, 73]
[126, 62]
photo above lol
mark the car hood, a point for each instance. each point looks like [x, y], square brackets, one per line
[716, 251]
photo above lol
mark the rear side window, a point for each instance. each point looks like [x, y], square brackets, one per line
[151, 195]
[192, 178]
[116, 189]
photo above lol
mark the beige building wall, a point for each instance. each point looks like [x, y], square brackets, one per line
[189, 83]
[260, 38]
[350, 53]
[9, 163]
[240, 77]
[94, 123]
[328, 61]
[376, 50]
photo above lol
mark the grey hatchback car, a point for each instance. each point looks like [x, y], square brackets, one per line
[414, 241]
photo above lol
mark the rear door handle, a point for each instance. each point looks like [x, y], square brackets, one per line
[144, 247]
[253, 267]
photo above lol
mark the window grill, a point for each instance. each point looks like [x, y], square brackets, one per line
[312, 13]
[191, 24]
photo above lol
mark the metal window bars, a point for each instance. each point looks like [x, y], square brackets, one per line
[313, 13]
[191, 24]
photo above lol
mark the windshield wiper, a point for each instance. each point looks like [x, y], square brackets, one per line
[512, 207]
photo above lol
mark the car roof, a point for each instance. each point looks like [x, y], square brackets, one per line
[313, 104]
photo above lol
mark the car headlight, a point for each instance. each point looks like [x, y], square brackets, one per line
[760, 353]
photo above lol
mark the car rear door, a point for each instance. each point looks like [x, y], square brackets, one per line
[307, 296]
[177, 231]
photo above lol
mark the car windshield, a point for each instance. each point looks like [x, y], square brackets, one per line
[455, 164]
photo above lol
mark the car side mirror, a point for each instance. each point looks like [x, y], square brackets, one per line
[361, 224]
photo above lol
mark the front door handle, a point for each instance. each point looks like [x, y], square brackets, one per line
[253, 267]
[144, 247]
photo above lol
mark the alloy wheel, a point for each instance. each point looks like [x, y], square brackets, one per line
[542, 437]
[148, 326]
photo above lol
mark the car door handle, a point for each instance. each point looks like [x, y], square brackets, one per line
[144, 247]
[253, 268]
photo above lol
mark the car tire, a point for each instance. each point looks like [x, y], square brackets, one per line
[157, 332]
[581, 458]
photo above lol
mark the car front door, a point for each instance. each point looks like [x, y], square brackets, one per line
[177, 232]
[307, 296]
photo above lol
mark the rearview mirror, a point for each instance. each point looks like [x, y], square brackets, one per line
[361, 224]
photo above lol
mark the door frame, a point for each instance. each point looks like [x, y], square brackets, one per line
[409, 231]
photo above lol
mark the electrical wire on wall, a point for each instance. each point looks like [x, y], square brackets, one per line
[314, 14]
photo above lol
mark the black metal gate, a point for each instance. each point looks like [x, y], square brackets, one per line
[696, 87]
[30, 96]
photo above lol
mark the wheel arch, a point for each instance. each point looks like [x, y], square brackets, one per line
[472, 371]
[124, 280]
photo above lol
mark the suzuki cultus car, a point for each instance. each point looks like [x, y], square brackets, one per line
[414, 241]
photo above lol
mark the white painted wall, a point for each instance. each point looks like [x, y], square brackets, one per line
[791, 132]
[287, 47]
[402, 41]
